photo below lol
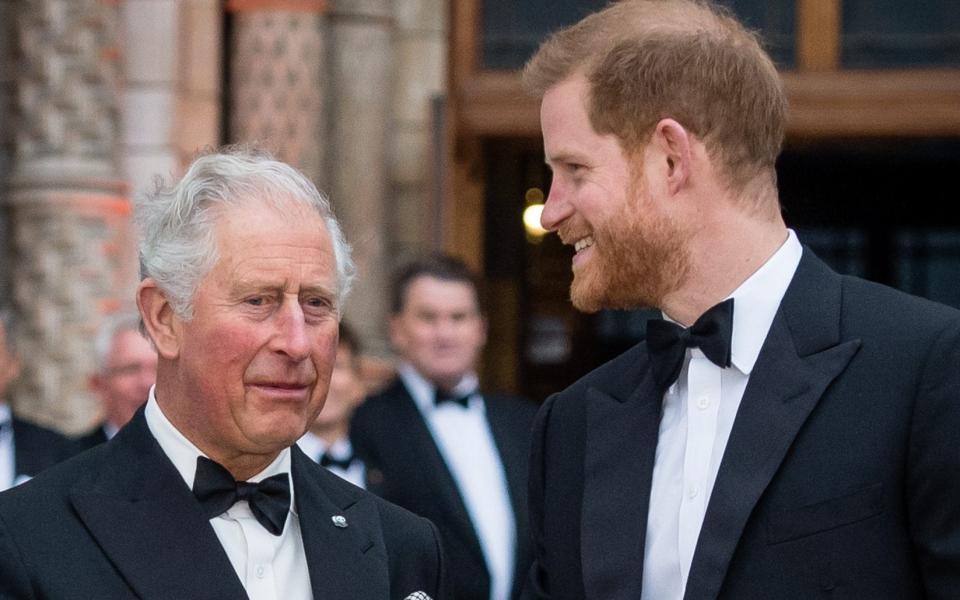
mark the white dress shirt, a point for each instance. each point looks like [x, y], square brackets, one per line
[270, 567]
[315, 447]
[468, 448]
[109, 429]
[698, 415]
[7, 459]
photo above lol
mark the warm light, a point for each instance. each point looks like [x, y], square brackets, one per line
[531, 221]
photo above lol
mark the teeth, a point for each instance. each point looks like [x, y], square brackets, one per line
[584, 243]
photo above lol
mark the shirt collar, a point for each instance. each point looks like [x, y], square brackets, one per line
[423, 390]
[183, 454]
[757, 300]
[6, 416]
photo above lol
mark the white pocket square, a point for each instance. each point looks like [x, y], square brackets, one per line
[418, 596]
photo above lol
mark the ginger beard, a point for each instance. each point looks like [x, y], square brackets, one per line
[640, 256]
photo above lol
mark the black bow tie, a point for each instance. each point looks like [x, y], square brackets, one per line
[668, 342]
[217, 491]
[341, 463]
[447, 396]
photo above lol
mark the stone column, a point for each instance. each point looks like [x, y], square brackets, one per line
[277, 79]
[200, 51]
[421, 41]
[360, 88]
[150, 91]
[69, 213]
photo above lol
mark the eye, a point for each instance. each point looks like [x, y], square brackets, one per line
[256, 301]
[318, 305]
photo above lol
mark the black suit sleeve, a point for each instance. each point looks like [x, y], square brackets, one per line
[14, 583]
[537, 586]
[933, 480]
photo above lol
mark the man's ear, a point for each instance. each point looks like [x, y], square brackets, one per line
[162, 324]
[674, 144]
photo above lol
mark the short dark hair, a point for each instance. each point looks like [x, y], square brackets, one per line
[438, 266]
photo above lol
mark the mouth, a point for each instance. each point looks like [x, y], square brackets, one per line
[583, 243]
[282, 390]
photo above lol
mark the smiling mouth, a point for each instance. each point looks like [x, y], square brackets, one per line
[583, 244]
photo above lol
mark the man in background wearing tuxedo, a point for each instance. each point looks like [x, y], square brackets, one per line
[435, 444]
[204, 494]
[25, 448]
[126, 368]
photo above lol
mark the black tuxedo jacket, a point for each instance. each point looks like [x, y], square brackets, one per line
[36, 448]
[404, 466]
[119, 522]
[841, 477]
[94, 437]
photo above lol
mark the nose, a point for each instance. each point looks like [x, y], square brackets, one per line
[291, 335]
[556, 208]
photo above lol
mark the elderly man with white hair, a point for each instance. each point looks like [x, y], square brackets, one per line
[204, 493]
[126, 368]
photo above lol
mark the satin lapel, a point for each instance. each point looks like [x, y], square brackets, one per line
[149, 525]
[413, 427]
[620, 448]
[345, 563]
[801, 356]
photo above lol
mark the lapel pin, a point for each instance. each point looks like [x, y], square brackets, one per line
[339, 520]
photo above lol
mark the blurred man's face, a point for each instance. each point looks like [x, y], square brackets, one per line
[346, 392]
[125, 379]
[627, 251]
[254, 362]
[9, 363]
[440, 330]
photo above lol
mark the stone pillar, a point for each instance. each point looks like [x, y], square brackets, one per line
[421, 41]
[150, 92]
[200, 50]
[69, 213]
[360, 88]
[277, 79]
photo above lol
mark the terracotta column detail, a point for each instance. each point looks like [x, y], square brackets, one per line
[68, 212]
[277, 79]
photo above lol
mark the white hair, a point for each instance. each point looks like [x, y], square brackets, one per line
[109, 329]
[177, 246]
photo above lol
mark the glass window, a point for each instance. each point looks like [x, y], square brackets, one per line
[893, 33]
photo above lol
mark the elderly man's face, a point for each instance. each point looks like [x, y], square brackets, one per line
[254, 361]
[124, 381]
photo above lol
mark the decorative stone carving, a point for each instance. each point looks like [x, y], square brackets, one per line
[68, 214]
[277, 84]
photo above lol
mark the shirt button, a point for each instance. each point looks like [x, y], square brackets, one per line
[693, 490]
[261, 572]
[703, 402]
